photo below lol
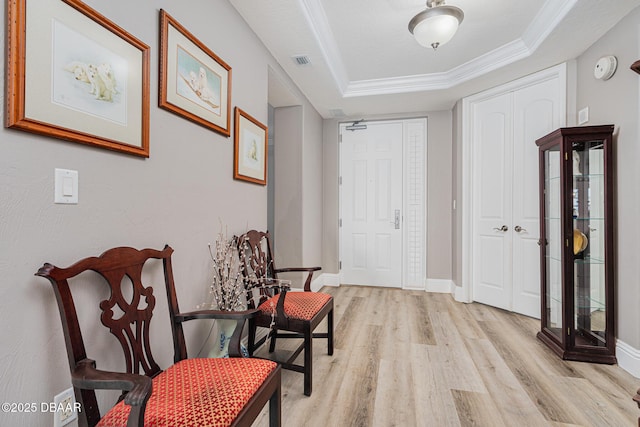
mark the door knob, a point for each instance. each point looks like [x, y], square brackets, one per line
[503, 228]
[519, 229]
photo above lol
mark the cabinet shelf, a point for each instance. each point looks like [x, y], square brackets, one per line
[577, 319]
[591, 304]
[586, 260]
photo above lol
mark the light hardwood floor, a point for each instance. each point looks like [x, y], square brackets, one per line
[409, 358]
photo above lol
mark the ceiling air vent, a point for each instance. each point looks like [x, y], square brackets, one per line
[301, 60]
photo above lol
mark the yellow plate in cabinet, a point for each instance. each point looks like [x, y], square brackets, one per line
[580, 241]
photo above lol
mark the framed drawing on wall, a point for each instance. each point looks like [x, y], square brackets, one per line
[250, 149]
[194, 82]
[73, 74]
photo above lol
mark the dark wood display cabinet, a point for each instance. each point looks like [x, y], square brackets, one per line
[576, 243]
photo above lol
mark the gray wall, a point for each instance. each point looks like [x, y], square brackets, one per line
[615, 101]
[288, 189]
[439, 125]
[177, 196]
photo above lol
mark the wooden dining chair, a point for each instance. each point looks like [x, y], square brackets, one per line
[296, 313]
[191, 392]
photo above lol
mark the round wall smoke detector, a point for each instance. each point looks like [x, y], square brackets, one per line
[605, 67]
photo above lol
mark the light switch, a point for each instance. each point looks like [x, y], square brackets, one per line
[66, 186]
[583, 115]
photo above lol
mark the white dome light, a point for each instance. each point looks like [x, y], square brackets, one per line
[436, 25]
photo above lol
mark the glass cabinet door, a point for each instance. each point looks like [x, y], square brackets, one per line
[553, 242]
[588, 211]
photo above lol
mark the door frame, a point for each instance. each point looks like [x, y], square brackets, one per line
[464, 292]
[405, 153]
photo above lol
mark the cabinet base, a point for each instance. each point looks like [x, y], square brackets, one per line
[585, 354]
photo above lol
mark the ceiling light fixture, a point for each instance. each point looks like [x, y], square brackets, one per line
[436, 25]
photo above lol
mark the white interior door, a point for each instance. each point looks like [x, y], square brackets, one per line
[492, 187]
[371, 205]
[535, 115]
[505, 253]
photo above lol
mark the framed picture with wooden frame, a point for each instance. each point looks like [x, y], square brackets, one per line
[73, 74]
[194, 82]
[250, 149]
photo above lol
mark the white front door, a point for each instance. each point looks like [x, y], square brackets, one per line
[371, 204]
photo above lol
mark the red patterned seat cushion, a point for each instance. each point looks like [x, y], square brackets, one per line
[198, 393]
[297, 305]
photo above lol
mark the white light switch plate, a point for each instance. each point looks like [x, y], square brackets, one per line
[66, 187]
[583, 115]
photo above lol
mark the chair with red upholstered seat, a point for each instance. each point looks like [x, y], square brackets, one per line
[297, 313]
[192, 392]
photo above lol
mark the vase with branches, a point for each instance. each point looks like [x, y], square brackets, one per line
[227, 288]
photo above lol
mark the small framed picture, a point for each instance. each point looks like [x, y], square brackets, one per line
[73, 74]
[250, 153]
[194, 82]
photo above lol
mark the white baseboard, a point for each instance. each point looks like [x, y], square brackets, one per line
[325, 279]
[459, 293]
[443, 286]
[628, 358]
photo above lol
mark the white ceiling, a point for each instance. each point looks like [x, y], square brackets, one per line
[365, 62]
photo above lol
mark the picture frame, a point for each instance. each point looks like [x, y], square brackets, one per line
[73, 74]
[250, 149]
[195, 83]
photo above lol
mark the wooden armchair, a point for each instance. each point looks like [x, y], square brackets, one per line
[298, 313]
[192, 392]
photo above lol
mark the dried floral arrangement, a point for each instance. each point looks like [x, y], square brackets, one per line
[227, 290]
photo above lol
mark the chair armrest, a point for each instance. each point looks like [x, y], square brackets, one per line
[216, 314]
[139, 387]
[310, 270]
[239, 316]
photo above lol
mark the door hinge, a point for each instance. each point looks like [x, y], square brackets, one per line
[568, 331]
[340, 222]
[340, 180]
[340, 138]
[339, 265]
[566, 156]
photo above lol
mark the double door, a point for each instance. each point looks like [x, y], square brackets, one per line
[505, 271]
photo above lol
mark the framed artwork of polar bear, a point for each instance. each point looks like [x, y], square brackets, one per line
[194, 82]
[250, 149]
[73, 74]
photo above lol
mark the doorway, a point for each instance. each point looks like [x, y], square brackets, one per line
[382, 203]
[501, 256]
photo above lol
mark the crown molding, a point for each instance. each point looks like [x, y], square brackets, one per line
[549, 16]
[319, 24]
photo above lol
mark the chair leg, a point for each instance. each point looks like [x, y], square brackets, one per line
[272, 344]
[251, 339]
[308, 356]
[275, 405]
[330, 333]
